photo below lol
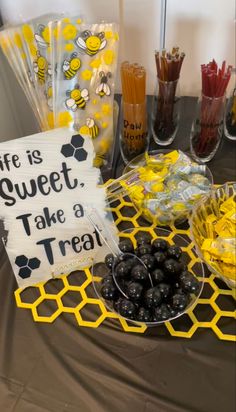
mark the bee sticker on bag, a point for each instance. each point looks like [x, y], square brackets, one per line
[90, 128]
[70, 67]
[40, 37]
[103, 89]
[42, 68]
[77, 98]
[91, 43]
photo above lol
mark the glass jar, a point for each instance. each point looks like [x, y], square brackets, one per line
[207, 128]
[134, 130]
[165, 112]
[230, 117]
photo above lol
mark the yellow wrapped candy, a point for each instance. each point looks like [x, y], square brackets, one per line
[219, 250]
[158, 187]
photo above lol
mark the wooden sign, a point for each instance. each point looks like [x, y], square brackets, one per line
[46, 182]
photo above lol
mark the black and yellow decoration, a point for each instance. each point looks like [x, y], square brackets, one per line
[73, 293]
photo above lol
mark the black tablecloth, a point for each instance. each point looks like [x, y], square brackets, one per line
[61, 367]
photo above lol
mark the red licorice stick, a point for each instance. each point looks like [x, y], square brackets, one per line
[214, 80]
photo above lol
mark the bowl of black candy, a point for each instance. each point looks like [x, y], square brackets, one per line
[156, 277]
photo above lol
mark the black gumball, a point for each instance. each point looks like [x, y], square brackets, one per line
[107, 280]
[116, 304]
[157, 276]
[165, 290]
[179, 290]
[126, 246]
[109, 260]
[159, 245]
[143, 238]
[180, 301]
[176, 284]
[186, 274]
[189, 283]
[174, 252]
[182, 266]
[172, 266]
[160, 258]
[134, 291]
[109, 292]
[131, 262]
[125, 284]
[173, 312]
[144, 315]
[144, 249]
[152, 298]
[139, 273]
[127, 309]
[162, 313]
[149, 261]
[122, 269]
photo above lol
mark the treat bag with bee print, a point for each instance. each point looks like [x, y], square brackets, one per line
[11, 42]
[37, 46]
[85, 80]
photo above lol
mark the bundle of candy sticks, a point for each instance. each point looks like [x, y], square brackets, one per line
[169, 64]
[133, 80]
[214, 83]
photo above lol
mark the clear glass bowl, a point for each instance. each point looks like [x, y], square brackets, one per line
[181, 216]
[198, 228]
[99, 269]
[229, 118]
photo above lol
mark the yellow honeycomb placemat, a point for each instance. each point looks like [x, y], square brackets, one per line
[73, 293]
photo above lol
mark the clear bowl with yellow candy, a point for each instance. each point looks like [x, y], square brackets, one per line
[164, 186]
[213, 230]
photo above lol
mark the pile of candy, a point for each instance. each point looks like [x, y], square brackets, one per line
[133, 296]
[166, 188]
[219, 248]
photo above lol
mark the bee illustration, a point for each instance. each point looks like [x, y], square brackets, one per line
[41, 68]
[90, 128]
[49, 96]
[71, 67]
[103, 89]
[91, 43]
[39, 38]
[77, 98]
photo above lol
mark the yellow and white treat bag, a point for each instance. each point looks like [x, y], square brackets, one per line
[12, 44]
[37, 41]
[85, 77]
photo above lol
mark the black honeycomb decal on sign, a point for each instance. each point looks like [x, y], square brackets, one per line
[26, 265]
[75, 148]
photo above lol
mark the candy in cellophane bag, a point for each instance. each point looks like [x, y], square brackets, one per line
[85, 77]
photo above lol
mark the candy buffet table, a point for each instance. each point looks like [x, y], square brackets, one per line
[61, 367]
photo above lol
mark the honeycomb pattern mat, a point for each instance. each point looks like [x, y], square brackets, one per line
[73, 294]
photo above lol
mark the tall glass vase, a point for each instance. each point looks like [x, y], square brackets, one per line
[134, 130]
[165, 112]
[230, 117]
[207, 128]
